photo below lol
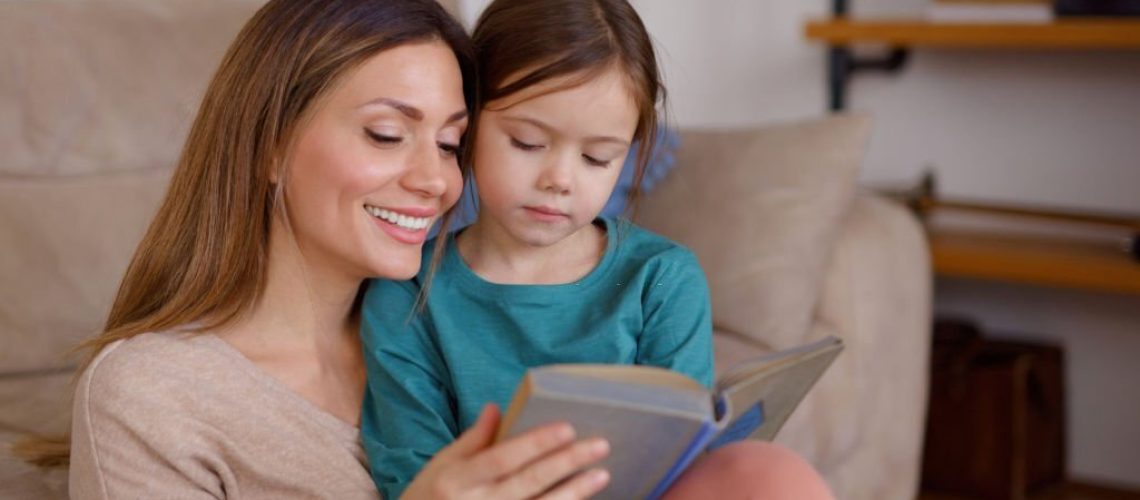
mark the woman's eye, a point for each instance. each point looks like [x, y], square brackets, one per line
[524, 146]
[590, 160]
[449, 150]
[383, 139]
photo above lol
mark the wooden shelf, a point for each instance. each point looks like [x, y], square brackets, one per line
[1089, 34]
[1034, 260]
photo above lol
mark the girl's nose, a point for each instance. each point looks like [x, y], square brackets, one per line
[557, 177]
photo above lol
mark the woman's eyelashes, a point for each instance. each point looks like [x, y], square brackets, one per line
[383, 139]
[449, 150]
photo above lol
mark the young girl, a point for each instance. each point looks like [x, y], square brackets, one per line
[539, 278]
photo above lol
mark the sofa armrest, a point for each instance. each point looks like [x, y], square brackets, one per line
[877, 295]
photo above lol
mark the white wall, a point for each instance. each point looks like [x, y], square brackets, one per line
[1053, 127]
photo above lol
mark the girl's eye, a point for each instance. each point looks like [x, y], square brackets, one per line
[524, 146]
[449, 150]
[382, 139]
[590, 160]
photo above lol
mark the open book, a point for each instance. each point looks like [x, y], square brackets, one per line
[658, 421]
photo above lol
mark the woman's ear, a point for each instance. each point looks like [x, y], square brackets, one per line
[275, 171]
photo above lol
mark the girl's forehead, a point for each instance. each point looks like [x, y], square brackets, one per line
[608, 83]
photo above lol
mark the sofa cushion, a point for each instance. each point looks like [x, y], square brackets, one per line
[67, 242]
[761, 209]
[93, 86]
[21, 481]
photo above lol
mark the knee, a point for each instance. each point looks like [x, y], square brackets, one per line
[754, 469]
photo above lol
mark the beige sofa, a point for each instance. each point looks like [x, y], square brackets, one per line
[102, 93]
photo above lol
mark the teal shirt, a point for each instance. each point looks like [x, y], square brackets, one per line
[431, 372]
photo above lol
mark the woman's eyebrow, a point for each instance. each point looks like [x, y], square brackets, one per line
[412, 111]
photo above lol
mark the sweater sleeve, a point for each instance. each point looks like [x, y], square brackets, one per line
[678, 318]
[409, 410]
[129, 439]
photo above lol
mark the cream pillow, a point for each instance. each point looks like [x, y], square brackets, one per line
[67, 242]
[92, 86]
[761, 209]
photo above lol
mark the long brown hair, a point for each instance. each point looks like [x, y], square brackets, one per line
[545, 39]
[203, 260]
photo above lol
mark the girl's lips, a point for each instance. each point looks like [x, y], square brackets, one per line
[546, 214]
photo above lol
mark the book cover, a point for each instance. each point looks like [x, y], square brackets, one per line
[657, 421]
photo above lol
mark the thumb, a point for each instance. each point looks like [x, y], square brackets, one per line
[478, 437]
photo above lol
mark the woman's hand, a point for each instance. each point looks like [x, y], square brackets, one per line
[526, 466]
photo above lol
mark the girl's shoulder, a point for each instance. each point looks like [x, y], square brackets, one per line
[633, 242]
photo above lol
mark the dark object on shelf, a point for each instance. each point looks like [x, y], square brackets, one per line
[996, 426]
[1134, 248]
[1097, 7]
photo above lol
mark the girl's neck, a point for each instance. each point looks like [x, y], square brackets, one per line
[496, 256]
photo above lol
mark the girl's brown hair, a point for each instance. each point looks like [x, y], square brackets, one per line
[204, 257]
[532, 41]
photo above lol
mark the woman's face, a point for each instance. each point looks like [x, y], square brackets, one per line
[374, 164]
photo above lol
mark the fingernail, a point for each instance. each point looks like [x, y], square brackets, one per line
[599, 477]
[564, 432]
[600, 447]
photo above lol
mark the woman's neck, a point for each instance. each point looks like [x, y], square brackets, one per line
[493, 254]
[303, 304]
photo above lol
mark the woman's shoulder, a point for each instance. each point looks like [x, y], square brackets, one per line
[146, 369]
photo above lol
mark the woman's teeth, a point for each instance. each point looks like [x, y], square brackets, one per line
[404, 221]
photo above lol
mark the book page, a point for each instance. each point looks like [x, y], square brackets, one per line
[779, 383]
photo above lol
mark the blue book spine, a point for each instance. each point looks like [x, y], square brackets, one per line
[741, 428]
[706, 434]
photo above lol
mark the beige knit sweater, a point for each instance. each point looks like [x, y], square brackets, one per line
[176, 416]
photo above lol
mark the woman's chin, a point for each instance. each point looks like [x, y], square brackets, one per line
[398, 270]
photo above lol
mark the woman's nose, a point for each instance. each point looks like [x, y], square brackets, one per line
[426, 173]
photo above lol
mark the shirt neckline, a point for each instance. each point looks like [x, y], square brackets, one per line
[343, 429]
[470, 279]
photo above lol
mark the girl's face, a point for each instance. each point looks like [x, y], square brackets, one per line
[374, 164]
[547, 158]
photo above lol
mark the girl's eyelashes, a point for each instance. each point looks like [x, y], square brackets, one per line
[590, 160]
[524, 146]
[594, 162]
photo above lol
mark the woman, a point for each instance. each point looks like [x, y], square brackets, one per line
[230, 364]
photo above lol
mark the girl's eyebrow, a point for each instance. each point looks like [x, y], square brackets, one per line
[548, 129]
[412, 111]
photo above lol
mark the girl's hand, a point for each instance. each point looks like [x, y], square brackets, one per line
[526, 466]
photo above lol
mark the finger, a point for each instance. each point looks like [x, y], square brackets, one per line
[552, 469]
[475, 439]
[511, 455]
[583, 485]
